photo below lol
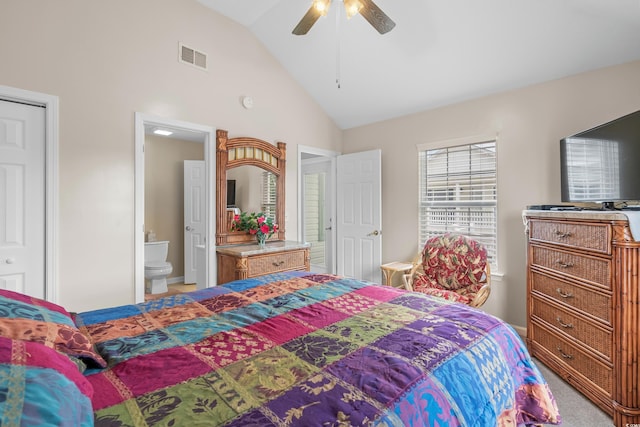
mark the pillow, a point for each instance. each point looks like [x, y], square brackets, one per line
[41, 387]
[31, 319]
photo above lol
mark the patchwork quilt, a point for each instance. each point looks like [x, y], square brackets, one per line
[304, 349]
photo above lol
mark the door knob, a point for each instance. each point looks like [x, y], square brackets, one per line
[374, 233]
[10, 260]
[188, 228]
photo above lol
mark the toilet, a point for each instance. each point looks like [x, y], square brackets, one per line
[156, 266]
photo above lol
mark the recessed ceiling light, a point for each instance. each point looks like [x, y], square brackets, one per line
[162, 132]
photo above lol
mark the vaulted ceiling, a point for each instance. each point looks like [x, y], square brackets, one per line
[440, 51]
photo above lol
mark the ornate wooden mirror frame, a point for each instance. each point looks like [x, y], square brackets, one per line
[242, 151]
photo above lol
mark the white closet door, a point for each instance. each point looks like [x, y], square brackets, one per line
[22, 198]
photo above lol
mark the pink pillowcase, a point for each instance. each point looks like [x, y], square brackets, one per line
[32, 319]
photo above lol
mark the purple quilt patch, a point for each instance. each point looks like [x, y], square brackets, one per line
[426, 350]
[321, 401]
[382, 376]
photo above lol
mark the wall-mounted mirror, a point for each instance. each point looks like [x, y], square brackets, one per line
[250, 178]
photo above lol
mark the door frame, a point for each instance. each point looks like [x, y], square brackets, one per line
[51, 141]
[302, 149]
[142, 120]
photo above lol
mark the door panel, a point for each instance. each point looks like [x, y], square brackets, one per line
[22, 196]
[359, 218]
[194, 215]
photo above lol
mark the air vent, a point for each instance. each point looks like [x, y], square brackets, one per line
[193, 57]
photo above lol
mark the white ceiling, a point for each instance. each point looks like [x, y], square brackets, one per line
[440, 52]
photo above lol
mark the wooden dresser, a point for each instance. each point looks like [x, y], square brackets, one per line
[583, 312]
[245, 261]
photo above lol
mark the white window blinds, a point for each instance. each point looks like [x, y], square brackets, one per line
[269, 195]
[458, 193]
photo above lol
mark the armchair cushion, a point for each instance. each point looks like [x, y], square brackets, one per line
[452, 262]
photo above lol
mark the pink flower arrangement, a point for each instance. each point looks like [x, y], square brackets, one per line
[255, 224]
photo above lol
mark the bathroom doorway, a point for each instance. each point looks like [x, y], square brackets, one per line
[164, 197]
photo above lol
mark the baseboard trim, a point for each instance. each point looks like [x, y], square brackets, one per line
[521, 330]
[173, 280]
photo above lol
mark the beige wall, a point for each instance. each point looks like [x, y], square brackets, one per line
[107, 60]
[164, 192]
[530, 123]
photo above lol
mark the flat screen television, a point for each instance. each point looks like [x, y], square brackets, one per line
[602, 164]
[231, 193]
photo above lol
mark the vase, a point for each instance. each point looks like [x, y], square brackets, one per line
[262, 240]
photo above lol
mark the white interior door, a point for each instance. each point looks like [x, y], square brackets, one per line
[359, 218]
[317, 222]
[194, 215]
[22, 198]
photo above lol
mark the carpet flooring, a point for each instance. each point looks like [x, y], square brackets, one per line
[575, 409]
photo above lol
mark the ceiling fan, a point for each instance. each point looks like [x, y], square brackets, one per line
[367, 8]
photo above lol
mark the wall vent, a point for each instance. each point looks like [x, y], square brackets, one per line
[188, 55]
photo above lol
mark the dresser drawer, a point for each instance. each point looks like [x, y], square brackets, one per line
[273, 263]
[592, 237]
[597, 372]
[575, 326]
[594, 270]
[596, 304]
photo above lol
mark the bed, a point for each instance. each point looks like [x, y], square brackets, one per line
[288, 349]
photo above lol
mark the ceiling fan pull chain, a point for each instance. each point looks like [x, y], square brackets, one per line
[337, 9]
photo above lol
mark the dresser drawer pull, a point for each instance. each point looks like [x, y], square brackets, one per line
[563, 354]
[562, 235]
[564, 264]
[564, 325]
[278, 264]
[563, 294]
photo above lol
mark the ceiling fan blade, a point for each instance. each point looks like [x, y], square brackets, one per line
[376, 17]
[307, 21]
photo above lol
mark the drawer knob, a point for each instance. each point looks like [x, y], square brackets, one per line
[564, 325]
[563, 354]
[562, 235]
[564, 264]
[564, 294]
[278, 264]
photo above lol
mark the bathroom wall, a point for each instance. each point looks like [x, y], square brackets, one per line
[164, 192]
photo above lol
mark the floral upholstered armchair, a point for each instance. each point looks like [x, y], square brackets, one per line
[453, 267]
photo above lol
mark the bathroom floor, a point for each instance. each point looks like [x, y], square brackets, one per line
[174, 288]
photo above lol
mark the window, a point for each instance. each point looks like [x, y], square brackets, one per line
[458, 193]
[269, 195]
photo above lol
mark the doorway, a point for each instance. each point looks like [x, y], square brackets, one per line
[45, 219]
[317, 220]
[181, 131]
[353, 218]
[316, 205]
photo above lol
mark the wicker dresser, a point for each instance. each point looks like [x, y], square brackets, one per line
[245, 261]
[583, 313]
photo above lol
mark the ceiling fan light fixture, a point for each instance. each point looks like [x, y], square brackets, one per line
[322, 6]
[352, 7]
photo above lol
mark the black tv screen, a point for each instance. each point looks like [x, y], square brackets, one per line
[602, 164]
[231, 193]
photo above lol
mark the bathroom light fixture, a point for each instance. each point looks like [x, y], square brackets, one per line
[162, 132]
